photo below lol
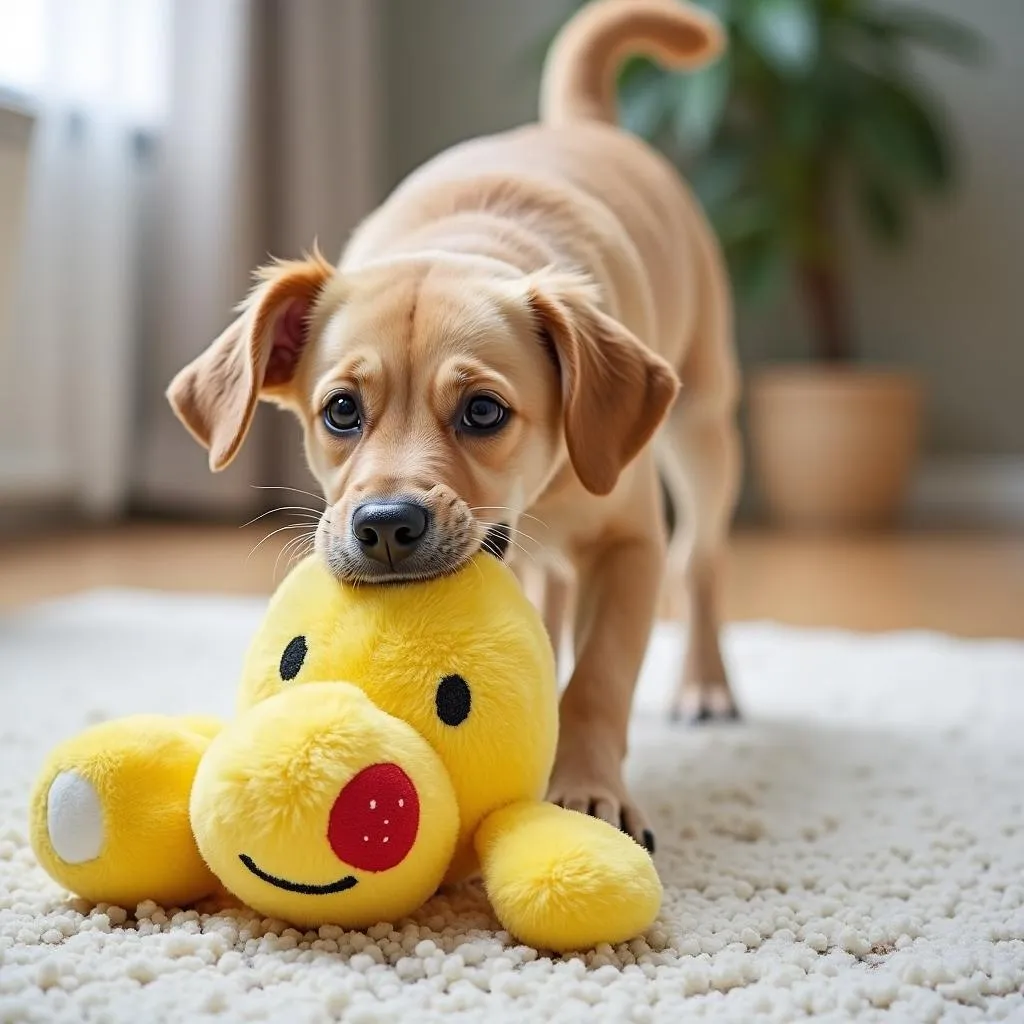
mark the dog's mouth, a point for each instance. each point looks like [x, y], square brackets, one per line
[441, 557]
[305, 888]
[496, 541]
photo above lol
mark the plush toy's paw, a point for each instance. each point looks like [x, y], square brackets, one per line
[562, 880]
[317, 807]
[109, 812]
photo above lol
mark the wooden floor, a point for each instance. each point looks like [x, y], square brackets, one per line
[966, 584]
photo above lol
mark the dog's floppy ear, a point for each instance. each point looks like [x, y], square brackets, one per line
[215, 395]
[615, 391]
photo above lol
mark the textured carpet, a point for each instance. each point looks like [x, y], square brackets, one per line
[854, 851]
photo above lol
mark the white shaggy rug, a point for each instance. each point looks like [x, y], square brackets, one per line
[853, 851]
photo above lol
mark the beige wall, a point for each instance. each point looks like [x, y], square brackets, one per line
[952, 306]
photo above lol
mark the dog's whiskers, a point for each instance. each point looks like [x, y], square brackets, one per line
[515, 531]
[299, 491]
[519, 547]
[280, 529]
[510, 533]
[299, 547]
[505, 508]
[300, 511]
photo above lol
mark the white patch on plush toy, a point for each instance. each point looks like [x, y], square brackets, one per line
[74, 818]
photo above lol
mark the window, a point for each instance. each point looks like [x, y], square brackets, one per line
[89, 54]
[21, 47]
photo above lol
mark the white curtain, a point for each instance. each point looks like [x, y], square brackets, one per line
[208, 230]
[176, 144]
[93, 84]
[272, 142]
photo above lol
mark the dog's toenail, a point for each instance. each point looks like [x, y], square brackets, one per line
[648, 840]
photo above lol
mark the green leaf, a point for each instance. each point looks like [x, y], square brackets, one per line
[757, 267]
[745, 217]
[646, 94]
[721, 9]
[637, 73]
[895, 133]
[803, 120]
[785, 33]
[718, 175]
[918, 25]
[700, 104]
[883, 211]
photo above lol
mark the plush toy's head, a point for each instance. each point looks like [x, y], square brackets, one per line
[387, 739]
[377, 727]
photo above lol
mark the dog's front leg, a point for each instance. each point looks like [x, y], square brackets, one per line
[617, 592]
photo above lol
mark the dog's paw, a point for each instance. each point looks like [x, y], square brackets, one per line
[697, 703]
[609, 803]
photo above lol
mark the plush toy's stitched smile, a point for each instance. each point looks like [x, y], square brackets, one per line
[342, 885]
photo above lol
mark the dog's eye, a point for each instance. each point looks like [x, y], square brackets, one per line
[483, 414]
[452, 700]
[341, 414]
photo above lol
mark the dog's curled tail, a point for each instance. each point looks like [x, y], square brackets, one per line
[581, 66]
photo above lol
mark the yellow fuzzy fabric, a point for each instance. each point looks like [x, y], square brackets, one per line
[388, 739]
[565, 881]
[398, 642]
[141, 770]
[265, 789]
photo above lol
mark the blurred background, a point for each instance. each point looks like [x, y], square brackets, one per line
[861, 161]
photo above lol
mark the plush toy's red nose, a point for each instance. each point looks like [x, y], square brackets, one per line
[374, 820]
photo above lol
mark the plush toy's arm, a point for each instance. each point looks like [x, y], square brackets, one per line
[562, 880]
[204, 725]
[110, 811]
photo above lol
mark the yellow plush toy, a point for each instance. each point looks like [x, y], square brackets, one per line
[389, 739]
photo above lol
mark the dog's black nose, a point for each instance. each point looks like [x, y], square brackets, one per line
[389, 531]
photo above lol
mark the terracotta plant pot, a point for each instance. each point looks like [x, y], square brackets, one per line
[834, 448]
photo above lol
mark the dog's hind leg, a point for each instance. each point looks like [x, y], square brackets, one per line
[700, 459]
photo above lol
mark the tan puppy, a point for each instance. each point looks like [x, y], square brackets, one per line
[497, 349]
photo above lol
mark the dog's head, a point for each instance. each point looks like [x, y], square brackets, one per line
[439, 396]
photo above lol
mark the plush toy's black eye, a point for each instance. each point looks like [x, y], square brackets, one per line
[453, 700]
[293, 657]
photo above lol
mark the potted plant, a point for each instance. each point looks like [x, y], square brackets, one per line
[813, 106]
